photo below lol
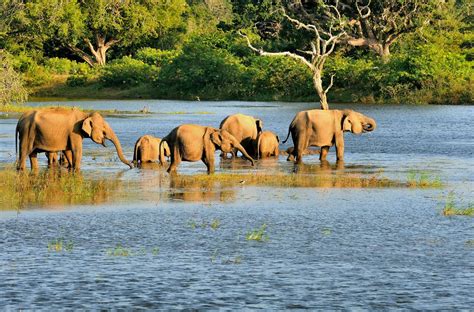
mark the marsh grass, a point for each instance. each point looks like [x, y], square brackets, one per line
[16, 110]
[121, 251]
[258, 235]
[423, 180]
[195, 224]
[59, 245]
[450, 208]
[345, 180]
[52, 188]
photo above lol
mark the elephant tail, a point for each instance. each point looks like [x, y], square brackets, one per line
[288, 135]
[161, 151]
[259, 141]
[135, 151]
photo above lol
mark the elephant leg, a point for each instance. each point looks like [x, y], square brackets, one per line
[208, 160]
[34, 161]
[67, 157]
[24, 151]
[324, 153]
[175, 159]
[299, 151]
[340, 147]
[76, 158]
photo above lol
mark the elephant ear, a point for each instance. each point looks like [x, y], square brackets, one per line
[259, 124]
[87, 126]
[346, 124]
[216, 137]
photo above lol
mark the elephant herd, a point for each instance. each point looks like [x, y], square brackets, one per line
[62, 130]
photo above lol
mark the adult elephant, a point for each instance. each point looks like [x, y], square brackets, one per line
[325, 128]
[147, 149]
[194, 143]
[244, 128]
[267, 144]
[61, 129]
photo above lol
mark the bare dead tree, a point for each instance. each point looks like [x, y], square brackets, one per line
[377, 24]
[324, 38]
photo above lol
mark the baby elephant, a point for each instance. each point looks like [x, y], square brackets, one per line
[267, 144]
[194, 143]
[290, 150]
[147, 149]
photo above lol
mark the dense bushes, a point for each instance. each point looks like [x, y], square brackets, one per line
[127, 72]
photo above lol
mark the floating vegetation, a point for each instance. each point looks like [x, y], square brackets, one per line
[52, 187]
[214, 224]
[326, 231]
[232, 260]
[450, 208]
[258, 235]
[423, 180]
[59, 245]
[121, 251]
[344, 180]
[470, 242]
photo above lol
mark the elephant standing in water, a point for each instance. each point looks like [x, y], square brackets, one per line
[244, 128]
[147, 149]
[194, 143]
[325, 128]
[60, 129]
[267, 144]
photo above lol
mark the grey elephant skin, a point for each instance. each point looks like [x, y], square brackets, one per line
[245, 129]
[60, 129]
[325, 128]
[194, 142]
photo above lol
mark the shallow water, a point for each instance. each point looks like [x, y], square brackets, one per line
[327, 248]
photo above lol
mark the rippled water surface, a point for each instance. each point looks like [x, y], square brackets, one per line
[183, 245]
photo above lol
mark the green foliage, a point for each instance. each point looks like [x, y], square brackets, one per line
[65, 66]
[450, 208]
[128, 72]
[156, 57]
[259, 235]
[11, 83]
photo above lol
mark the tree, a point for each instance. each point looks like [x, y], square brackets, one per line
[90, 28]
[323, 27]
[11, 84]
[377, 24]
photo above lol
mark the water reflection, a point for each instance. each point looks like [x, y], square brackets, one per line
[195, 190]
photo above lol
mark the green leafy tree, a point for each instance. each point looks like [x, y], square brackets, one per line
[90, 28]
[11, 84]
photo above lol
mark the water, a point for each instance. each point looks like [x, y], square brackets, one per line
[327, 248]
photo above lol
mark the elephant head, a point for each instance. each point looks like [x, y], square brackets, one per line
[96, 128]
[357, 122]
[225, 141]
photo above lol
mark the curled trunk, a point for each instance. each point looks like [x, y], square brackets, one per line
[113, 137]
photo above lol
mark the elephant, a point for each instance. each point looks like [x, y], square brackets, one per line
[290, 150]
[194, 142]
[267, 144]
[325, 128]
[146, 149]
[61, 129]
[65, 159]
[244, 128]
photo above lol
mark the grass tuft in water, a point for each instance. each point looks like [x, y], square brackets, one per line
[470, 242]
[258, 235]
[119, 251]
[214, 224]
[423, 180]
[59, 245]
[450, 208]
[50, 187]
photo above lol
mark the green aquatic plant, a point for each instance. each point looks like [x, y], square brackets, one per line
[53, 188]
[59, 245]
[215, 224]
[119, 251]
[232, 260]
[326, 231]
[423, 179]
[470, 242]
[258, 235]
[450, 208]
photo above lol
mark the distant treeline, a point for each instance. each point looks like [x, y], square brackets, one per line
[178, 49]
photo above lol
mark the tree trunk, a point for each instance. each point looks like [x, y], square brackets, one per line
[318, 85]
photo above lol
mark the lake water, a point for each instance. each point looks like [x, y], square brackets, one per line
[325, 248]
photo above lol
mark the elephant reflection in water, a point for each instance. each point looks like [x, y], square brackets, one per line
[327, 175]
[192, 190]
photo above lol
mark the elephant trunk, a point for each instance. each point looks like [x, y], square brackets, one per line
[113, 137]
[241, 149]
[369, 124]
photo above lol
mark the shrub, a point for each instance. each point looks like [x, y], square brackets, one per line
[65, 66]
[156, 57]
[127, 72]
